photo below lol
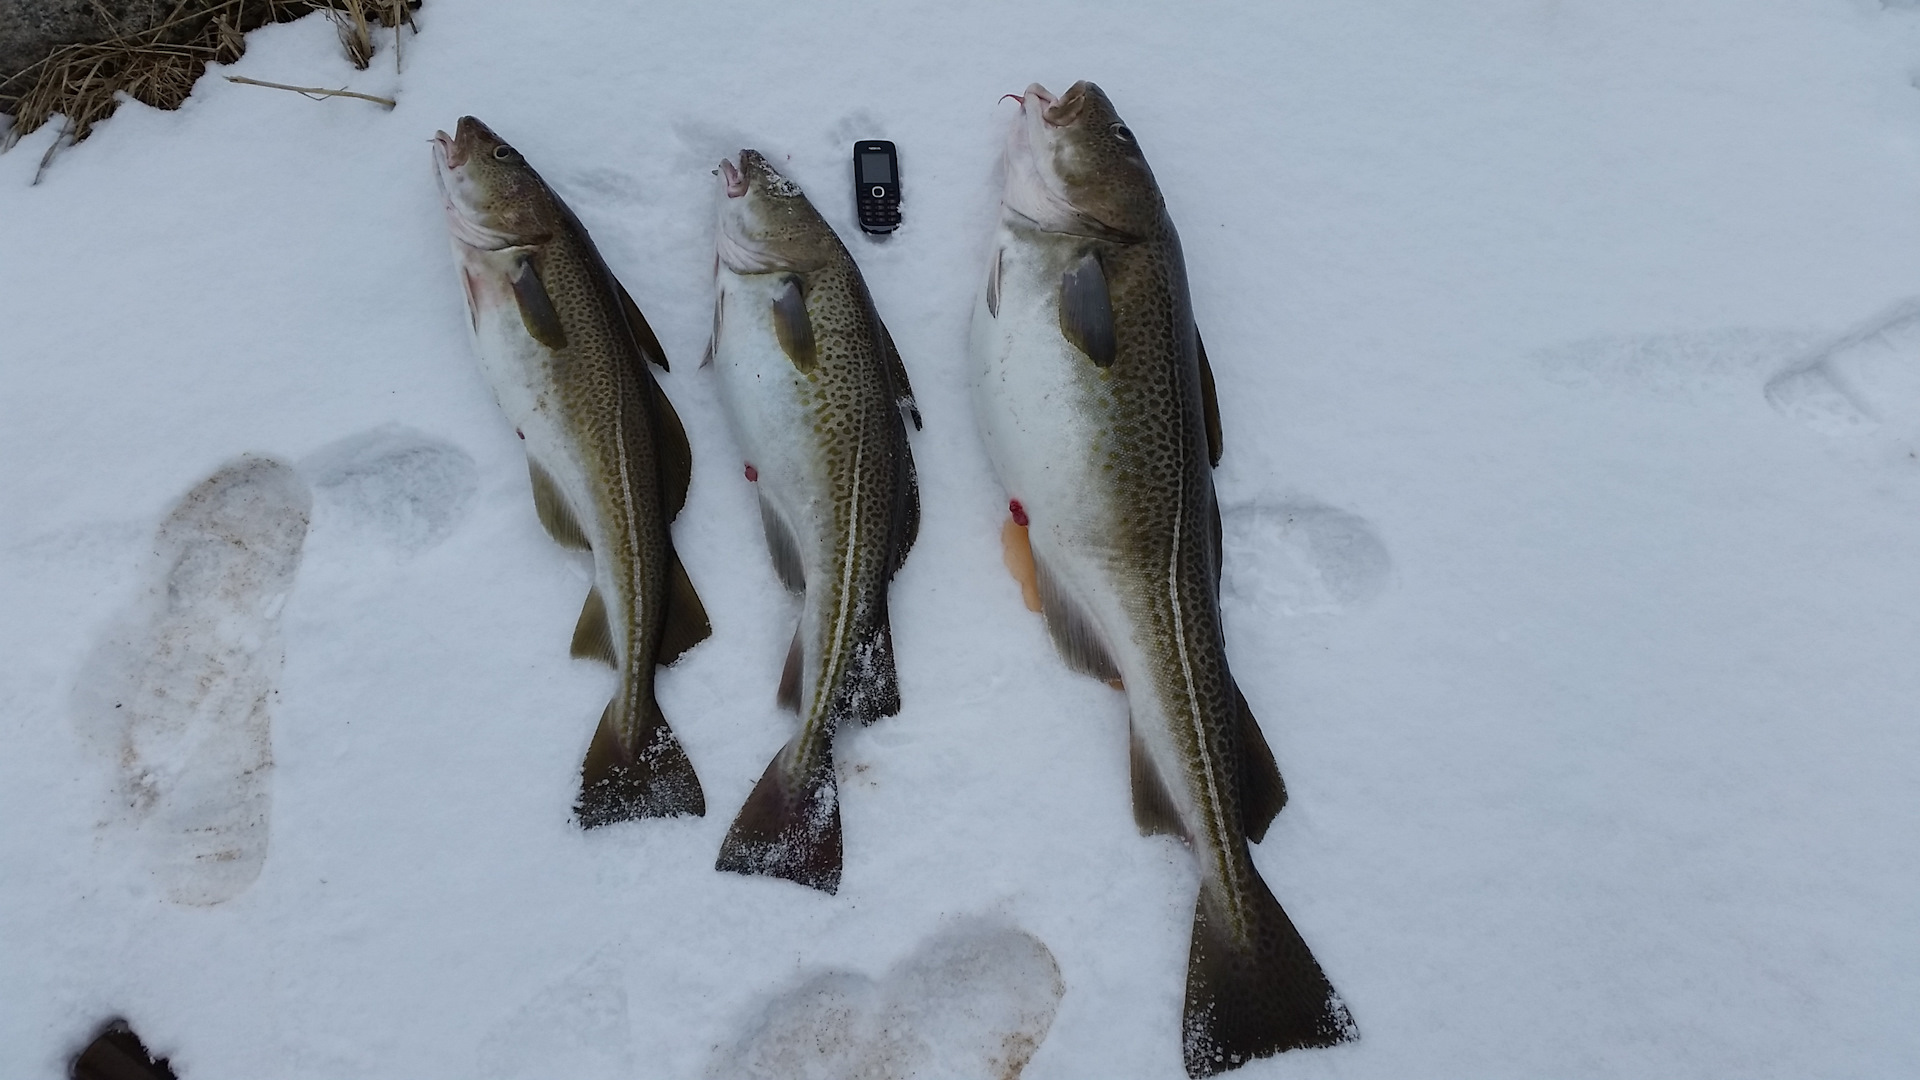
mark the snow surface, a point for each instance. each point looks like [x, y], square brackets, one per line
[1573, 510]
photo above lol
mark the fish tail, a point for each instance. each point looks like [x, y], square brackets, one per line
[790, 825]
[653, 779]
[1258, 994]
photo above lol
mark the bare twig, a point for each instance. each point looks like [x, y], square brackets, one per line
[314, 92]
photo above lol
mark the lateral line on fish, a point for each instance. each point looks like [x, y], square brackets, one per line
[633, 547]
[1227, 867]
[846, 572]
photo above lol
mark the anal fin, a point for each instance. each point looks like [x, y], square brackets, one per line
[783, 548]
[788, 696]
[592, 635]
[1074, 634]
[1262, 792]
[1153, 807]
[555, 513]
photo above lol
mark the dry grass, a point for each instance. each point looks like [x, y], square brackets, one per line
[159, 66]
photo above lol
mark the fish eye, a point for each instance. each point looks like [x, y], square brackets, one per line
[1123, 133]
[503, 153]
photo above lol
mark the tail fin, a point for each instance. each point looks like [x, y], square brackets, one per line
[656, 780]
[790, 826]
[1255, 997]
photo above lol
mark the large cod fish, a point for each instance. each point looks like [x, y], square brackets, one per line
[1096, 405]
[566, 350]
[814, 390]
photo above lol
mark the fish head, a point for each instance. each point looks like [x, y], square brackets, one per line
[766, 222]
[493, 198]
[1073, 166]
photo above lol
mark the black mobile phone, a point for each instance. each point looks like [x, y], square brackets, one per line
[876, 185]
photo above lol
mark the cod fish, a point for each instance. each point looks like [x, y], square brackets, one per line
[815, 393]
[1094, 399]
[566, 350]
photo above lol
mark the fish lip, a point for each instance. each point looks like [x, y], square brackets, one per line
[449, 151]
[732, 179]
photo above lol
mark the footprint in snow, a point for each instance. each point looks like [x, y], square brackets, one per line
[1695, 366]
[399, 488]
[177, 696]
[577, 1028]
[1301, 558]
[1865, 382]
[974, 1002]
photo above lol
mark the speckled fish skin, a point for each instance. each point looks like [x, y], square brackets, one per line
[566, 352]
[815, 394]
[1093, 397]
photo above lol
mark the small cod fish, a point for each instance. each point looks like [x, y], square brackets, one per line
[566, 350]
[815, 393]
[1094, 399]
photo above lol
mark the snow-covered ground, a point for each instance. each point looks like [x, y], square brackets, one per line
[1572, 480]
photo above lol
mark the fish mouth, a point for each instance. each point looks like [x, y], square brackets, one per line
[448, 150]
[734, 181]
[1065, 109]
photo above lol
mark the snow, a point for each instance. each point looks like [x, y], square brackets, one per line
[1572, 479]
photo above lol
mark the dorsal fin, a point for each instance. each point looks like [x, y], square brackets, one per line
[1262, 792]
[906, 509]
[643, 335]
[672, 454]
[684, 623]
[896, 369]
[554, 512]
[593, 635]
[1153, 807]
[782, 547]
[1073, 633]
[1209, 400]
[536, 307]
[793, 326]
[1086, 309]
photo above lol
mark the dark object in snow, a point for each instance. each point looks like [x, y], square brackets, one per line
[71, 58]
[118, 1054]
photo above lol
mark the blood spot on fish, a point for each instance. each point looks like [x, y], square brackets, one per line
[1019, 512]
[753, 474]
[522, 434]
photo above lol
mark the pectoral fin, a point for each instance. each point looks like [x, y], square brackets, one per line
[554, 512]
[1086, 310]
[793, 327]
[993, 284]
[536, 307]
[1209, 400]
[643, 334]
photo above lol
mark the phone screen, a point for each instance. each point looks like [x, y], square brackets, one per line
[875, 168]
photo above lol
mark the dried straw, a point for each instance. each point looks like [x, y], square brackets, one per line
[158, 66]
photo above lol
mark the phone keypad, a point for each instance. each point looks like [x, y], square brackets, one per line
[881, 213]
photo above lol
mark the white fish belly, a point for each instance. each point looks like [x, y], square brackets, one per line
[520, 371]
[1042, 431]
[768, 405]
